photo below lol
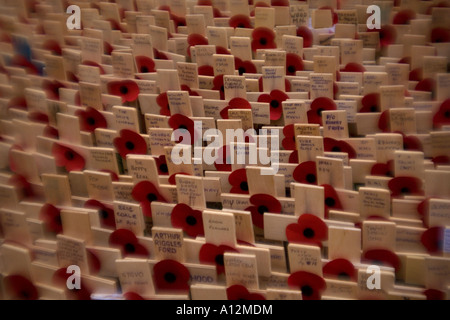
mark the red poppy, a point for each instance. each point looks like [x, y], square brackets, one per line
[427, 84]
[263, 38]
[306, 34]
[51, 216]
[18, 102]
[333, 14]
[258, 4]
[441, 4]
[160, 55]
[91, 119]
[146, 192]
[51, 88]
[238, 181]
[317, 106]
[170, 275]
[219, 85]
[22, 184]
[306, 172]
[383, 257]
[128, 243]
[239, 292]
[20, 287]
[353, 67]
[293, 157]
[145, 64]
[341, 269]
[221, 50]
[185, 126]
[383, 121]
[51, 132]
[441, 160]
[405, 186]
[371, 103]
[416, 74]
[235, 103]
[206, 71]
[37, 116]
[132, 296]
[275, 99]
[94, 64]
[244, 66]
[294, 63]
[332, 201]
[442, 116]
[163, 102]
[106, 213]
[21, 61]
[309, 229]
[130, 142]
[128, 90]
[60, 278]
[404, 17]
[288, 141]
[161, 165]
[212, 254]
[195, 39]
[433, 239]
[53, 46]
[188, 219]
[223, 161]
[333, 145]
[440, 34]
[240, 21]
[311, 285]
[434, 294]
[262, 203]
[172, 180]
[383, 169]
[411, 143]
[185, 87]
[387, 35]
[107, 48]
[67, 158]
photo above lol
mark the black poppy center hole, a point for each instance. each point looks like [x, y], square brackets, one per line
[144, 69]
[263, 41]
[405, 190]
[219, 260]
[447, 114]
[123, 90]
[182, 127]
[104, 214]
[309, 233]
[311, 178]
[164, 168]
[90, 121]
[307, 291]
[241, 70]
[240, 25]
[69, 155]
[170, 277]
[274, 104]
[373, 109]
[222, 88]
[190, 220]
[330, 202]
[151, 197]
[129, 145]
[343, 276]
[57, 220]
[319, 111]
[129, 248]
[262, 209]
[336, 149]
[24, 294]
[291, 69]
[244, 186]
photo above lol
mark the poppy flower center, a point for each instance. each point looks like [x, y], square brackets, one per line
[57, 220]
[447, 114]
[307, 291]
[291, 69]
[319, 111]
[123, 90]
[190, 220]
[151, 197]
[170, 277]
[241, 70]
[163, 168]
[104, 214]
[182, 127]
[336, 149]
[240, 25]
[263, 41]
[69, 155]
[330, 202]
[219, 260]
[405, 190]
[129, 145]
[24, 294]
[373, 108]
[343, 276]
[244, 185]
[262, 209]
[308, 233]
[274, 104]
[222, 88]
[311, 178]
[90, 121]
[130, 248]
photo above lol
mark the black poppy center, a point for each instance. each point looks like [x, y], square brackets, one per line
[343, 276]
[307, 291]
[129, 145]
[69, 155]
[130, 248]
[336, 149]
[263, 41]
[291, 69]
[144, 69]
[262, 209]
[170, 277]
[163, 168]
[222, 88]
[330, 202]
[244, 186]
[405, 190]
[373, 108]
[241, 70]
[90, 121]
[151, 197]
[240, 25]
[182, 127]
[123, 90]
[57, 220]
[24, 294]
[104, 214]
[274, 104]
[191, 220]
[382, 35]
[311, 178]
[308, 233]
[319, 111]
[219, 260]
[447, 114]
